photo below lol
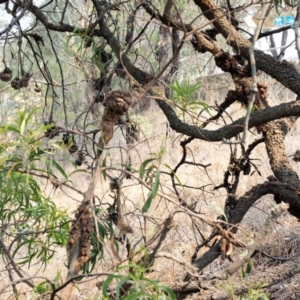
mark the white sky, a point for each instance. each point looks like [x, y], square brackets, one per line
[6, 18]
[262, 44]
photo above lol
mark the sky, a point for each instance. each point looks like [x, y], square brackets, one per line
[6, 18]
[262, 44]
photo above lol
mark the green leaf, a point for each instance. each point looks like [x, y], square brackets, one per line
[3, 159]
[135, 296]
[152, 194]
[104, 166]
[119, 286]
[168, 291]
[106, 284]
[12, 128]
[51, 162]
[205, 106]
[77, 171]
[21, 118]
[42, 287]
[143, 167]
[175, 176]
[249, 267]
[29, 116]
[242, 273]
[96, 58]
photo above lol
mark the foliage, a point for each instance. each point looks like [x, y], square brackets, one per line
[140, 287]
[152, 193]
[47, 285]
[248, 269]
[183, 96]
[29, 220]
[255, 294]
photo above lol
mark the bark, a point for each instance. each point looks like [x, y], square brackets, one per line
[274, 133]
[289, 78]
[80, 235]
[116, 105]
[274, 140]
[286, 76]
[228, 131]
[244, 203]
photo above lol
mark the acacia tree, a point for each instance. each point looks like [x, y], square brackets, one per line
[115, 41]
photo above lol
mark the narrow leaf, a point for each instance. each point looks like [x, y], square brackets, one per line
[135, 296]
[12, 128]
[3, 159]
[106, 284]
[175, 175]
[143, 167]
[249, 267]
[119, 286]
[104, 166]
[58, 167]
[168, 291]
[152, 194]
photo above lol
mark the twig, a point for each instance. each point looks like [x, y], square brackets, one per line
[189, 268]
[15, 267]
[276, 258]
[296, 29]
[262, 18]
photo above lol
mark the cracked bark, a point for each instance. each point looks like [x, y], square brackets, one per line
[289, 78]
[274, 133]
[288, 181]
[282, 191]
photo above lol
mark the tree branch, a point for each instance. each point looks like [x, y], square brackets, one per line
[288, 77]
[228, 131]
